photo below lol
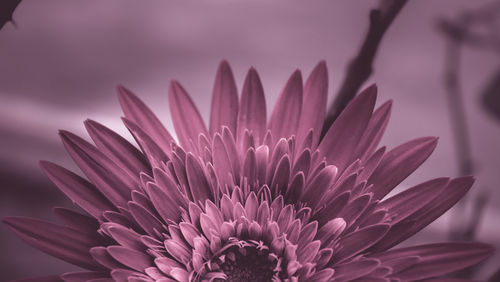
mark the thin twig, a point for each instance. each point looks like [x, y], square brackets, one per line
[361, 66]
[459, 34]
[456, 107]
[7, 7]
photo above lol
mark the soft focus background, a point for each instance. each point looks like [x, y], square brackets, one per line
[61, 63]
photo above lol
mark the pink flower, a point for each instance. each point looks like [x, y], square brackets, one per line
[247, 199]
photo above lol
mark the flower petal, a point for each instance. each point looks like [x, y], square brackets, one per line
[222, 164]
[319, 185]
[281, 175]
[355, 269]
[313, 104]
[164, 204]
[374, 131]
[124, 236]
[322, 275]
[198, 183]
[77, 221]
[134, 259]
[344, 135]
[101, 171]
[187, 121]
[117, 148]
[438, 259]
[358, 241]
[407, 202]
[147, 221]
[398, 163]
[83, 276]
[443, 201]
[286, 114]
[136, 111]
[355, 208]
[58, 241]
[151, 149]
[252, 111]
[79, 190]
[224, 110]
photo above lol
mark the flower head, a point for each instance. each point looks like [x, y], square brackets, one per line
[249, 199]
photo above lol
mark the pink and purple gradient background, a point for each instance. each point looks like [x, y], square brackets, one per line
[62, 62]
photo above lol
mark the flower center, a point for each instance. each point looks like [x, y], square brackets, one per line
[248, 264]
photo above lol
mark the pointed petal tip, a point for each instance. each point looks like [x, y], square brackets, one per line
[174, 84]
[70, 138]
[15, 223]
[432, 140]
[466, 180]
[92, 125]
[486, 248]
[8, 220]
[321, 64]
[320, 69]
[124, 94]
[91, 122]
[296, 76]
[66, 135]
[224, 68]
[175, 90]
[370, 92]
[252, 73]
[427, 140]
[224, 64]
[44, 163]
[47, 166]
[387, 105]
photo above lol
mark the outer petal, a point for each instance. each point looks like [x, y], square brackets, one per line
[374, 131]
[358, 241]
[117, 148]
[55, 240]
[107, 177]
[136, 111]
[163, 203]
[75, 220]
[398, 163]
[286, 114]
[131, 258]
[407, 202]
[224, 110]
[155, 154]
[198, 184]
[340, 141]
[443, 201]
[252, 112]
[187, 121]
[314, 104]
[438, 259]
[355, 269]
[77, 189]
[83, 276]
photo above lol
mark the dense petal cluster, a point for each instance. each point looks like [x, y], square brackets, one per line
[248, 199]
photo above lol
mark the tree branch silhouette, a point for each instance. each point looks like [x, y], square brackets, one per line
[361, 66]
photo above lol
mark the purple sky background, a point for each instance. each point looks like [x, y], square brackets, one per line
[64, 59]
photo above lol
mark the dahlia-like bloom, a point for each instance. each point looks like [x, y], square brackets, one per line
[249, 199]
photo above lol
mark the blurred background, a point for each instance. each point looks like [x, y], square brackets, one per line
[61, 61]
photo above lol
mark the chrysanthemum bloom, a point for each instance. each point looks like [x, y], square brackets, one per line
[249, 199]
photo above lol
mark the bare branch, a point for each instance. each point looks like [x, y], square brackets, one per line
[7, 7]
[361, 66]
